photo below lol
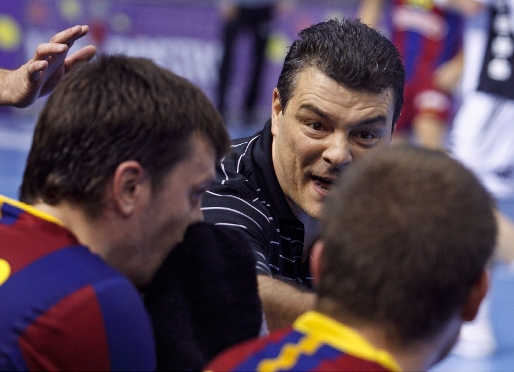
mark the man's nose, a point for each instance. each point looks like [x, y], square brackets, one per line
[337, 151]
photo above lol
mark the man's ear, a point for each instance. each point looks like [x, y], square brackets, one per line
[316, 267]
[475, 297]
[276, 110]
[129, 181]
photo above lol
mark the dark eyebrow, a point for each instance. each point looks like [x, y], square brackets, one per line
[324, 115]
[375, 119]
[314, 110]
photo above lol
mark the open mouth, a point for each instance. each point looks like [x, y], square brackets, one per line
[323, 183]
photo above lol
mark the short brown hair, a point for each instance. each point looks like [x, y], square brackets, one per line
[114, 109]
[407, 233]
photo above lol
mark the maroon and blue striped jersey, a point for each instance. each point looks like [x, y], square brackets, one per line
[61, 306]
[427, 37]
[425, 34]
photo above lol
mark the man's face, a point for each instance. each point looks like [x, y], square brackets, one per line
[176, 204]
[324, 127]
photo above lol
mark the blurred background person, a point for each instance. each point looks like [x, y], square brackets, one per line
[429, 37]
[482, 136]
[253, 16]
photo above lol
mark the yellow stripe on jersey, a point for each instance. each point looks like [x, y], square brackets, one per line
[343, 338]
[27, 208]
[290, 354]
[5, 271]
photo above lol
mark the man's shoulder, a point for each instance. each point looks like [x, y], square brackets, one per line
[90, 305]
[60, 273]
[240, 163]
[240, 172]
[271, 351]
[68, 270]
[244, 194]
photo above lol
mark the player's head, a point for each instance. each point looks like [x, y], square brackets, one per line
[113, 110]
[132, 147]
[407, 234]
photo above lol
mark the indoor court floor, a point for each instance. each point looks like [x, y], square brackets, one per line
[15, 139]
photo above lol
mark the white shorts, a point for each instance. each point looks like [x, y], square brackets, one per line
[482, 137]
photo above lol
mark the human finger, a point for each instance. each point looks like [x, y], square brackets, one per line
[84, 54]
[45, 50]
[34, 69]
[70, 35]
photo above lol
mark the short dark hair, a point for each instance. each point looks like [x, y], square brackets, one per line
[114, 109]
[349, 52]
[407, 232]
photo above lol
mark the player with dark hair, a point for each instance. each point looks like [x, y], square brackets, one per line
[121, 156]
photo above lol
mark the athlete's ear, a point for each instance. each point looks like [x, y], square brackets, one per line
[128, 185]
[475, 297]
[316, 267]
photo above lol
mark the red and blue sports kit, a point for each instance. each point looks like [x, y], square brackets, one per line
[427, 36]
[62, 307]
[314, 343]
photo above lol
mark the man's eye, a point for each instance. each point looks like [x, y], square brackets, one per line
[367, 135]
[316, 126]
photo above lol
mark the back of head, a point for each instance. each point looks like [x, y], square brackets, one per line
[115, 109]
[408, 232]
[349, 52]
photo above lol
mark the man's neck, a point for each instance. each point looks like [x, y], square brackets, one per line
[79, 224]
